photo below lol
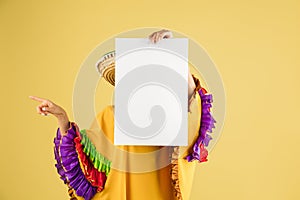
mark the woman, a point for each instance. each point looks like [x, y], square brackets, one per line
[92, 170]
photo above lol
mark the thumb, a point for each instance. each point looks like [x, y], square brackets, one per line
[46, 110]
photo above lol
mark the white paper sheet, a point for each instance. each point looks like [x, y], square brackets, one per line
[151, 92]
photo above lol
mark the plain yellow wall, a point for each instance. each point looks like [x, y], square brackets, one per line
[255, 45]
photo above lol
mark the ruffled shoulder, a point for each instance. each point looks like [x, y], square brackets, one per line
[78, 163]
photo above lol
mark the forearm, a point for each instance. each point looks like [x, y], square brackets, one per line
[63, 123]
[191, 85]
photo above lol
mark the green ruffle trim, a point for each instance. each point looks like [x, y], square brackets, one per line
[101, 163]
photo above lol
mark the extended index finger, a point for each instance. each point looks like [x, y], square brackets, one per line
[37, 98]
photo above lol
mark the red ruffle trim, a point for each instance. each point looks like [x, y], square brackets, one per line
[96, 178]
[203, 153]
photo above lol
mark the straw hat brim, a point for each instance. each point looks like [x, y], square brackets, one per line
[106, 67]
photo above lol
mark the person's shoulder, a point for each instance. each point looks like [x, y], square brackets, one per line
[106, 111]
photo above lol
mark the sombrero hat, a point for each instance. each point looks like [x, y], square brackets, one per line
[106, 67]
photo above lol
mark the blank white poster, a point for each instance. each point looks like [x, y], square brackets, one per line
[151, 92]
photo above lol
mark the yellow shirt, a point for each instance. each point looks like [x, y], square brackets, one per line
[144, 172]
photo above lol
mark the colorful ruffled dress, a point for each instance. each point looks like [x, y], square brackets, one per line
[90, 167]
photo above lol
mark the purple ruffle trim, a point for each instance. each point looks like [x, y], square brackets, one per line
[68, 166]
[206, 125]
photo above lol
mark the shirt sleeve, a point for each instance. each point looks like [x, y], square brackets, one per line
[78, 163]
[198, 149]
[200, 124]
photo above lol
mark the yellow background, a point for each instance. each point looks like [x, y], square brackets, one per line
[255, 45]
